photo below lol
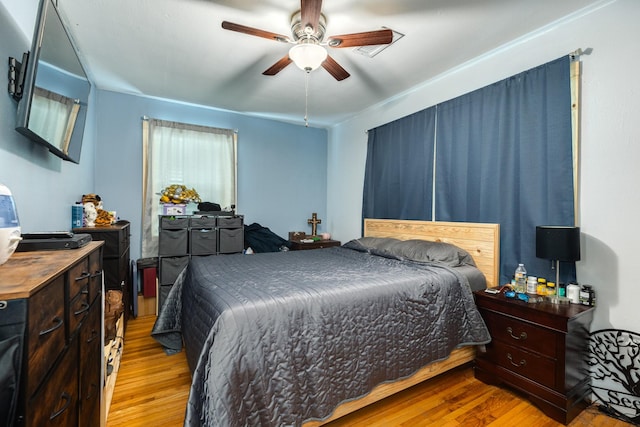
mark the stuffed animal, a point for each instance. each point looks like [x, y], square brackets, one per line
[90, 214]
[95, 215]
[92, 198]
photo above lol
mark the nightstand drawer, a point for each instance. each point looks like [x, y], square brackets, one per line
[533, 366]
[522, 334]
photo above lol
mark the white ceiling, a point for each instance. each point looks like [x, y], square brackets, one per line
[176, 49]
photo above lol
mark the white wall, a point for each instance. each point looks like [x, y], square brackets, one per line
[610, 151]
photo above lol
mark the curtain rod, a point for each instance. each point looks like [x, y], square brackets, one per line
[147, 118]
[579, 52]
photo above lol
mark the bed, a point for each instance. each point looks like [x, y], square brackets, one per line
[304, 337]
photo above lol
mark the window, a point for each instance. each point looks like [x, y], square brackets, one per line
[198, 157]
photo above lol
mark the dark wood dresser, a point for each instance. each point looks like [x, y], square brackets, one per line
[540, 349]
[116, 259]
[60, 374]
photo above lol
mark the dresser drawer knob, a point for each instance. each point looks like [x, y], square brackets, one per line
[523, 335]
[57, 323]
[522, 362]
[67, 401]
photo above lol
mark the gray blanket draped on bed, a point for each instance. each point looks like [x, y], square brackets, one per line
[276, 339]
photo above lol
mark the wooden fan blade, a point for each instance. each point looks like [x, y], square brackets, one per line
[369, 38]
[254, 32]
[278, 66]
[335, 69]
[310, 13]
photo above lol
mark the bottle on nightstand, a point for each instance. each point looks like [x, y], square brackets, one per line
[521, 279]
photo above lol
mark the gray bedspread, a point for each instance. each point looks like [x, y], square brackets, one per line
[276, 339]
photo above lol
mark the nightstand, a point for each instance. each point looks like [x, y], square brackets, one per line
[540, 349]
[320, 244]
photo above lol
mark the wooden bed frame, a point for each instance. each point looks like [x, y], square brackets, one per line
[482, 241]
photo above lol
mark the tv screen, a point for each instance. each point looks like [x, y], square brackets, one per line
[55, 94]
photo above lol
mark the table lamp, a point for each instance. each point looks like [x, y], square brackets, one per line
[558, 243]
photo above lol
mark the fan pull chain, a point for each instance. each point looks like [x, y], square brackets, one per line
[306, 98]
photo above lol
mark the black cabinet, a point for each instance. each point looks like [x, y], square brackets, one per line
[183, 236]
[116, 259]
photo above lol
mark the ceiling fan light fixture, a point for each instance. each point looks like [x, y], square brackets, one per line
[308, 56]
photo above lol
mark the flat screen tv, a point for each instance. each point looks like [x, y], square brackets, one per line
[55, 90]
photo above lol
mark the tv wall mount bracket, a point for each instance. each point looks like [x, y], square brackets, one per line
[16, 75]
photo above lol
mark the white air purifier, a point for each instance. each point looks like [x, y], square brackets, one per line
[9, 225]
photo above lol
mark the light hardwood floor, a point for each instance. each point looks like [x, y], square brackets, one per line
[152, 390]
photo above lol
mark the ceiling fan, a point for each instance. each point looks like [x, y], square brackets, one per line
[308, 27]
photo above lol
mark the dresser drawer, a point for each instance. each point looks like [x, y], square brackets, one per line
[203, 242]
[522, 334]
[537, 368]
[229, 222]
[173, 242]
[203, 222]
[173, 222]
[56, 403]
[78, 309]
[95, 280]
[90, 358]
[46, 335]
[79, 276]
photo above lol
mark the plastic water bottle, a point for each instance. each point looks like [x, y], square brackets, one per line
[521, 279]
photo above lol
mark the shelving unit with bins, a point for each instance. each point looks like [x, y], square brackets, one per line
[184, 236]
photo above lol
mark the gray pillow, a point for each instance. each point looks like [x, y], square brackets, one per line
[414, 250]
[424, 251]
[381, 246]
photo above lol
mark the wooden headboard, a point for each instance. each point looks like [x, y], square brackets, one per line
[482, 241]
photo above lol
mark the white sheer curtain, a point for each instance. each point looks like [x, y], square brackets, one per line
[197, 157]
[53, 117]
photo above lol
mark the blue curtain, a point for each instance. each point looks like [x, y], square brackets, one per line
[504, 155]
[399, 172]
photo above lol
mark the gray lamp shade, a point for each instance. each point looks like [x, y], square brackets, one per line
[559, 243]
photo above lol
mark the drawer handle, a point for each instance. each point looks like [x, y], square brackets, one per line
[57, 323]
[94, 335]
[83, 276]
[517, 365]
[84, 309]
[90, 394]
[96, 274]
[67, 401]
[523, 335]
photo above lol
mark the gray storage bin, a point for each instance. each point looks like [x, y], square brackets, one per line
[229, 222]
[230, 240]
[170, 268]
[173, 222]
[203, 242]
[203, 222]
[173, 242]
